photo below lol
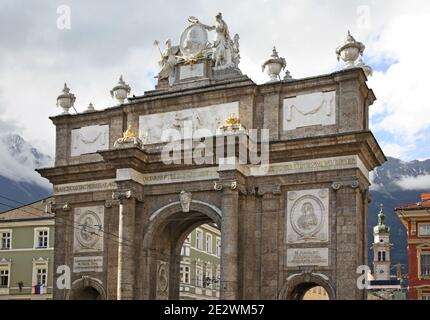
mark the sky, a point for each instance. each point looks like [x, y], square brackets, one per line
[39, 51]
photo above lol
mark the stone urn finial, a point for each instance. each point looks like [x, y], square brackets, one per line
[90, 108]
[274, 65]
[66, 100]
[120, 91]
[288, 76]
[349, 51]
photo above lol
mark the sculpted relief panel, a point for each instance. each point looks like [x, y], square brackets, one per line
[89, 139]
[307, 216]
[317, 108]
[162, 280]
[152, 126]
[88, 229]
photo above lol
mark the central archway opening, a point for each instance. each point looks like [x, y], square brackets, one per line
[182, 252]
[86, 293]
[316, 293]
[200, 264]
[309, 291]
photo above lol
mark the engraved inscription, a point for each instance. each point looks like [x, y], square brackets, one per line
[307, 257]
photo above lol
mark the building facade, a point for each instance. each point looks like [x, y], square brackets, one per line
[27, 252]
[291, 201]
[415, 218]
[200, 268]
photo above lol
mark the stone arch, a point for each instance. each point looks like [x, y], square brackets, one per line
[162, 214]
[297, 284]
[81, 287]
[162, 241]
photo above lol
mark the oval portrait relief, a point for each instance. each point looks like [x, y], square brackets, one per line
[307, 215]
[89, 224]
[193, 40]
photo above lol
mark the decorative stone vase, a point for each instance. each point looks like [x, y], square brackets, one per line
[66, 100]
[90, 108]
[288, 76]
[274, 65]
[120, 91]
[349, 51]
[367, 69]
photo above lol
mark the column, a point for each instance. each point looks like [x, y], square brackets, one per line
[349, 246]
[126, 245]
[229, 243]
[269, 267]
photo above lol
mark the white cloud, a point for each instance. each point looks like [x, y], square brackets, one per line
[421, 182]
[396, 150]
[373, 186]
[402, 90]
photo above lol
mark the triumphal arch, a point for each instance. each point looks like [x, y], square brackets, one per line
[282, 168]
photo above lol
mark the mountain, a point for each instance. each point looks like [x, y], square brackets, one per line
[396, 183]
[19, 183]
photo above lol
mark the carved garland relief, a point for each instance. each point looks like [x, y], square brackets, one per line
[316, 108]
[89, 139]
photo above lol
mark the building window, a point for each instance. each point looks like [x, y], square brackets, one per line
[6, 239]
[208, 243]
[383, 255]
[185, 274]
[208, 279]
[425, 297]
[199, 276]
[4, 277]
[425, 264]
[199, 239]
[379, 256]
[41, 238]
[40, 272]
[41, 275]
[185, 251]
[424, 229]
[218, 247]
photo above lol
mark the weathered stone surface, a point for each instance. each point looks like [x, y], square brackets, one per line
[143, 235]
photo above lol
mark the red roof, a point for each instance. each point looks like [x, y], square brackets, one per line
[423, 204]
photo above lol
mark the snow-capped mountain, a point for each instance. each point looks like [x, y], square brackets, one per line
[25, 153]
[19, 182]
[396, 175]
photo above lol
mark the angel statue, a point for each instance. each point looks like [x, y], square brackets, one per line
[168, 61]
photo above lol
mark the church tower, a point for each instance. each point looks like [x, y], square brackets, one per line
[381, 249]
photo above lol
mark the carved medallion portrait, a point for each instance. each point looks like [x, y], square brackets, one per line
[307, 216]
[193, 40]
[88, 229]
